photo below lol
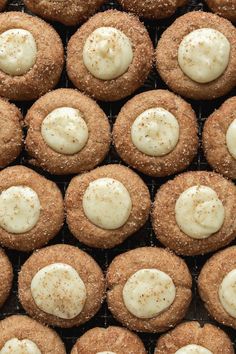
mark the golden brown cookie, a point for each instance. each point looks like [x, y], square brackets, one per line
[68, 12]
[21, 333]
[31, 209]
[216, 284]
[156, 133]
[191, 337]
[154, 9]
[106, 205]
[219, 139]
[61, 285]
[6, 277]
[110, 56]
[195, 213]
[67, 132]
[187, 59]
[149, 289]
[2, 4]
[11, 137]
[224, 8]
[108, 340]
[33, 59]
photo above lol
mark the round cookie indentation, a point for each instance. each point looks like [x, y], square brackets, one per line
[227, 293]
[163, 265]
[65, 130]
[107, 203]
[16, 346]
[203, 55]
[155, 132]
[66, 283]
[107, 53]
[148, 292]
[18, 51]
[199, 212]
[207, 231]
[193, 349]
[59, 281]
[231, 139]
[89, 210]
[19, 209]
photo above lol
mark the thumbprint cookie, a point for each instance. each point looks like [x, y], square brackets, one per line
[156, 133]
[22, 335]
[196, 56]
[31, 56]
[6, 277]
[67, 132]
[219, 139]
[31, 209]
[61, 286]
[2, 4]
[110, 56]
[11, 137]
[68, 12]
[106, 205]
[192, 338]
[195, 213]
[216, 284]
[149, 289]
[153, 9]
[111, 340]
[224, 8]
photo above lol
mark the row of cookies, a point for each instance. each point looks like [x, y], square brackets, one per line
[22, 333]
[111, 55]
[147, 289]
[192, 214]
[156, 132]
[77, 11]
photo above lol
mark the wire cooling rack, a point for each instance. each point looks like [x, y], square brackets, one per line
[144, 237]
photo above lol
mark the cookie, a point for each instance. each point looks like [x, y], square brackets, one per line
[195, 213]
[109, 340]
[20, 334]
[192, 338]
[224, 8]
[216, 284]
[156, 133]
[106, 205]
[11, 136]
[196, 56]
[32, 59]
[2, 4]
[110, 56]
[153, 9]
[61, 286]
[31, 209]
[67, 132]
[219, 139]
[149, 289]
[68, 12]
[6, 277]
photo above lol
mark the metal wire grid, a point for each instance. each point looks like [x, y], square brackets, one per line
[144, 237]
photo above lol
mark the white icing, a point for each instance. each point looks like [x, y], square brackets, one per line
[107, 53]
[57, 289]
[18, 51]
[193, 349]
[227, 293]
[231, 138]
[16, 346]
[19, 209]
[203, 54]
[107, 203]
[199, 212]
[148, 292]
[106, 353]
[65, 131]
[155, 132]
